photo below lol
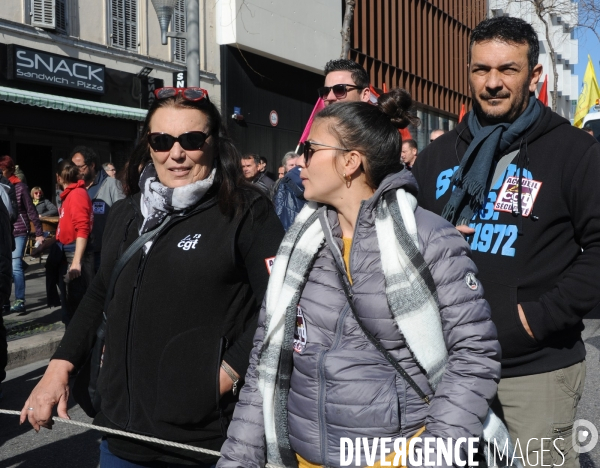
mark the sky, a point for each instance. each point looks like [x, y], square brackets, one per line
[588, 44]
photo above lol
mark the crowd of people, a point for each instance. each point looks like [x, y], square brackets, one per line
[85, 192]
[369, 291]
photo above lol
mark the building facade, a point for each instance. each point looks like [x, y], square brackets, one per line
[78, 72]
[561, 18]
[272, 58]
[421, 46]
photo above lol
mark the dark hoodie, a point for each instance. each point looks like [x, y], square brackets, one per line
[547, 261]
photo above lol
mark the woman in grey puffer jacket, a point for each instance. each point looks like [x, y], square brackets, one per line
[315, 375]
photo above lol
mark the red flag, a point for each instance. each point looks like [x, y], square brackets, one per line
[543, 96]
[463, 111]
[384, 88]
[405, 134]
[318, 106]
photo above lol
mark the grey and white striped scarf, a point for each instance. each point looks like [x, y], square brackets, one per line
[411, 296]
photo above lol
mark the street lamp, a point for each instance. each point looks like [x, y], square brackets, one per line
[164, 10]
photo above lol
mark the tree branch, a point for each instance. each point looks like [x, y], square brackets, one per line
[346, 28]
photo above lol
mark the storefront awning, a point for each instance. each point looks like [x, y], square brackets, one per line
[50, 101]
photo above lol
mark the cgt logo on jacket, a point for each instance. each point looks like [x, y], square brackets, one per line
[189, 242]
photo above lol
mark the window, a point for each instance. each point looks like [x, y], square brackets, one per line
[61, 16]
[179, 52]
[123, 23]
[49, 14]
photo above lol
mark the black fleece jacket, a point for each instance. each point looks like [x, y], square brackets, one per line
[177, 311]
[551, 267]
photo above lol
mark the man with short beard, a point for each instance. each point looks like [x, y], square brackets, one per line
[102, 189]
[520, 183]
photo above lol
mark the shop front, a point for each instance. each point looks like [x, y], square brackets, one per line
[51, 103]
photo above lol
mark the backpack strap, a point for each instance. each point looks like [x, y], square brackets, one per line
[349, 297]
[377, 343]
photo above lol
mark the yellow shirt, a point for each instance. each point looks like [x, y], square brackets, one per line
[347, 247]
[302, 463]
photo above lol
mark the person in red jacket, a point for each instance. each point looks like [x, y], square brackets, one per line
[74, 227]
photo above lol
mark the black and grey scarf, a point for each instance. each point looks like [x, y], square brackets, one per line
[472, 177]
[413, 305]
[158, 200]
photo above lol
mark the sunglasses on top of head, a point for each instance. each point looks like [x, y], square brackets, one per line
[189, 141]
[189, 94]
[340, 91]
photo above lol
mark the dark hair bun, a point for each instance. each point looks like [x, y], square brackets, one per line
[396, 105]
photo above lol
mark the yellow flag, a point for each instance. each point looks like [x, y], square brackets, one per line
[588, 96]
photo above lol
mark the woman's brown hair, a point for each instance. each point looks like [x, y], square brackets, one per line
[68, 171]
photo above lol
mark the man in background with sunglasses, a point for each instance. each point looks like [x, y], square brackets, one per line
[102, 189]
[345, 81]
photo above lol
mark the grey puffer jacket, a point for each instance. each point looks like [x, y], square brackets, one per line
[341, 386]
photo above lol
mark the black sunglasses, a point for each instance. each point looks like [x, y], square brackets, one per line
[189, 141]
[340, 91]
[309, 150]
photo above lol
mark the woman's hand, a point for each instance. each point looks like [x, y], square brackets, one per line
[465, 230]
[225, 382]
[52, 390]
[75, 270]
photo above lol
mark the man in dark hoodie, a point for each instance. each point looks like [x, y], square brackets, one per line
[521, 183]
[102, 189]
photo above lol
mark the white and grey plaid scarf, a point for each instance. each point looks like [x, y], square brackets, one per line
[158, 200]
[411, 295]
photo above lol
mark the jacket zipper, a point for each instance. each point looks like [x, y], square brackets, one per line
[322, 381]
[321, 362]
[222, 342]
[362, 204]
[134, 301]
[223, 345]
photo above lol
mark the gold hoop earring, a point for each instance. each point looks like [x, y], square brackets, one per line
[348, 180]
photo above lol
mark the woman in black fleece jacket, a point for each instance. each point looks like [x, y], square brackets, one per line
[183, 314]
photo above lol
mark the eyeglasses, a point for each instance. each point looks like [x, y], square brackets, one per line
[189, 94]
[81, 167]
[37, 193]
[189, 141]
[110, 170]
[340, 91]
[309, 150]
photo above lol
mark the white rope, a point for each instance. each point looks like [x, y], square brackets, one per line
[152, 440]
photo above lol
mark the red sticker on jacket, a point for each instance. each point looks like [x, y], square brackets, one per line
[269, 262]
[508, 198]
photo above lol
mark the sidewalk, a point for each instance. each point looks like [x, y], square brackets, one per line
[35, 334]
